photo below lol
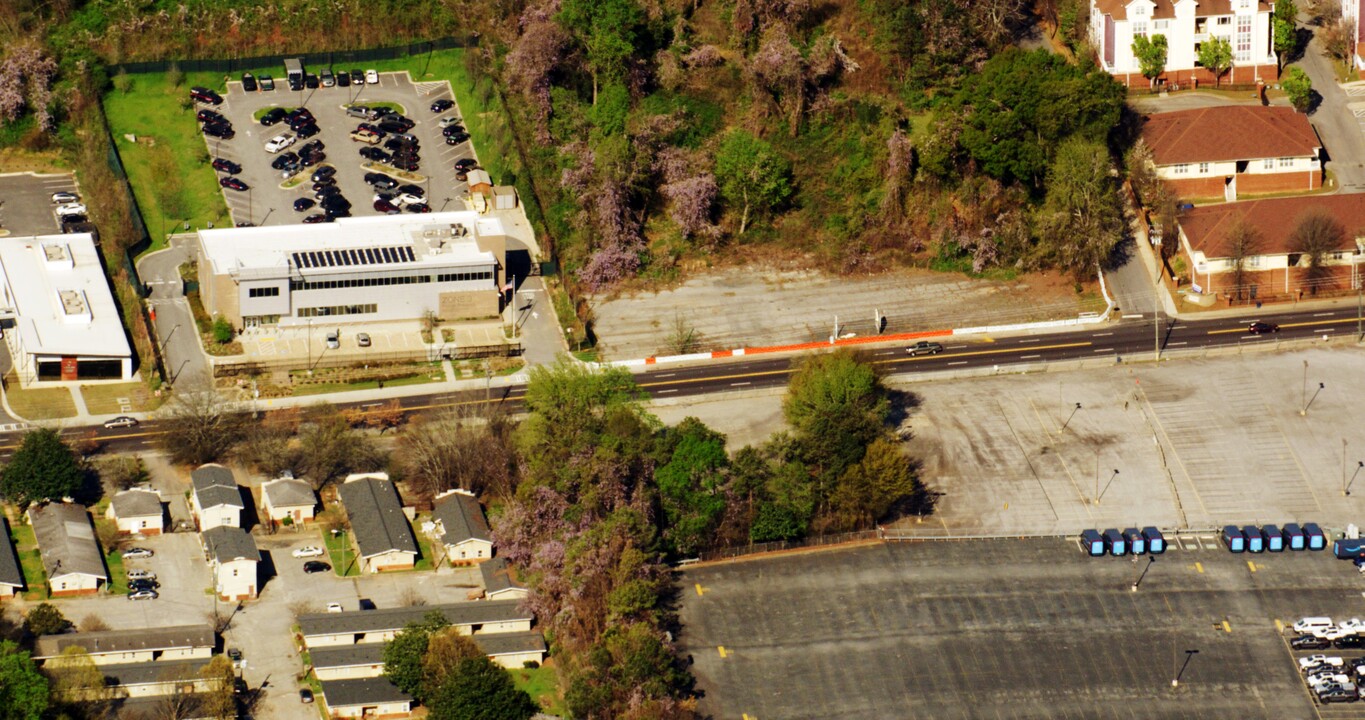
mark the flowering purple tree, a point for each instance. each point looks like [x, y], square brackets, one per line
[691, 204]
[27, 73]
[533, 60]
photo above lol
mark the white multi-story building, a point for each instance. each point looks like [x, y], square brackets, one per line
[361, 269]
[1187, 24]
[1351, 11]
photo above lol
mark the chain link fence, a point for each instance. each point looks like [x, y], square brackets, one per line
[344, 57]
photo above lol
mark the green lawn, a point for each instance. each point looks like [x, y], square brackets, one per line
[31, 562]
[425, 556]
[417, 379]
[343, 555]
[118, 578]
[168, 165]
[543, 687]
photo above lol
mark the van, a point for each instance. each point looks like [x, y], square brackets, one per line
[1309, 624]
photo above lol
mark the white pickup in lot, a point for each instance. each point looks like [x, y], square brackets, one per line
[70, 209]
[279, 142]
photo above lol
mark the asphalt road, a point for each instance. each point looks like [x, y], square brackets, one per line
[1131, 338]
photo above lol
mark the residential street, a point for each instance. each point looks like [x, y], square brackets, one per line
[1334, 121]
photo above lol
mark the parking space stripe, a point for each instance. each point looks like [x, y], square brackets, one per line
[1226, 626]
[721, 648]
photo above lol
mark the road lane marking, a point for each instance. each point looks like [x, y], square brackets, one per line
[1029, 357]
[1100, 350]
[661, 392]
[1326, 314]
[959, 362]
[1306, 323]
[741, 384]
[1031, 340]
[1200, 567]
[667, 375]
[1102, 334]
[1182, 342]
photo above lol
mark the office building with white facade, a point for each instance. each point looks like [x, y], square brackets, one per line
[361, 269]
[1187, 24]
[59, 313]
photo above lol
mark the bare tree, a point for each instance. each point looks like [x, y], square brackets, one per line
[330, 448]
[466, 447]
[92, 623]
[1338, 40]
[180, 703]
[1243, 241]
[301, 607]
[684, 338]
[411, 597]
[203, 427]
[1317, 235]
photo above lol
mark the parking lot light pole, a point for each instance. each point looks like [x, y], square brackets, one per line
[1100, 493]
[1068, 418]
[1175, 682]
[1347, 490]
[1151, 560]
[1304, 411]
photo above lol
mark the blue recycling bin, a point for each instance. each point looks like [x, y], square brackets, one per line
[1092, 542]
[1234, 539]
[1156, 542]
[1137, 544]
[1274, 539]
[1293, 537]
[1113, 539]
[1255, 543]
[1315, 537]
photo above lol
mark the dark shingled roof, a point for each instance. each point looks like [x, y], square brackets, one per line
[377, 517]
[10, 573]
[374, 621]
[496, 576]
[364, 691]
[66, 540]
[140, 639]
[136, 503]
[348, 655]
[508, 643]
[461, 517]
[289, 492]
[214, 486]
[143, 673]
[225, 544]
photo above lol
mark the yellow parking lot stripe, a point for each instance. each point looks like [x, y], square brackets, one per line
[1200, 567]
[721, 648]
[1226, 626]
[1251, 565]
[700, 589]
[747, 716]
[1279, 626]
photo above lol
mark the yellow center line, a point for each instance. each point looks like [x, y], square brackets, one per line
[1306, 323]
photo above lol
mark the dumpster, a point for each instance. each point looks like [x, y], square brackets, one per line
[1348, 549]
[1156, 543]
[1313, 536]
[1234, 539]
[1255, 543]
[1113, 540]
[1092, 542]
[1293, 537]
[1274, 539]
[1137, 544]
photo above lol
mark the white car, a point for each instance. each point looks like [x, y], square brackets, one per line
[1309, 624]
[65, 197]
[141, 575]
[1354, 625]
[308, 551]
[407, 199]
[1318, 680]
[333, 607]
[279, 142]
[1316, 661]
[1333, 633]
[71, 209]
[372, 77]
[447, 122]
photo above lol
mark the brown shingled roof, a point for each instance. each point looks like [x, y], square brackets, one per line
[1275, 219]
[1229, 132]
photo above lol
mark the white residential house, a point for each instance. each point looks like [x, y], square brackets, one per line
[288, 498]
[216, 499]
[383, 538]
[70, 553]
[462, 527]
[140, 645]
[233, 558]
[137, 512]
[1245, 24]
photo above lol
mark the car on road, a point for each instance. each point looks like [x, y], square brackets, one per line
[315, 566]
[357, 77]
[924, 347]
[134, 553]
[442, 105]
[205, 95]
[143, 595]
[1259, 328]
[121, 421]
[227, 166]
[267, 83]
[233, 183]
[1310, 642]
[65, 197]
[305, 695]
[141, 575]
[303, 204]
[308, 551]
[280, 142]
[372, 77]
[248, 82]
[273, 116]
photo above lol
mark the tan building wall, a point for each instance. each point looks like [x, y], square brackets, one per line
[220, 515]
[516, 661]
[298, 513]
[121, 658]
[381, 710]
[354, 672]
[162, 688]
[219, 294]
[140, 525]
[316, 641]
[73, 584]
[7, 591]
[469, 552]
[237, 580]
[394, 560]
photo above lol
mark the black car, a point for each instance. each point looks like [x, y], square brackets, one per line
[310, 81]
[267, 83]
[466, 164]
[334, 213]
[219, 130]
[1350, 641]
[209, 116]
[372, 128]
[1310, 642]
[297, 113]
[205, 95]
[248, 82]
[373, 153]
[442, 105]
[315, 218]
[334, 199]
[303, 204]
[317, 566]
[288, 158]
[452, 130]
[457, 138]
[312, 146]
[274, 115]
[227, 166]
[374, 177]
[324, 173]
[405, 164]
[357, 77]
[307, 131]
[296, 123]
[389, 125]
[394, 144]
[418, 208]
[135, 585]
[233, 184]
[295, 82]
[343, 79]
[412, 190]
[313, 158]
[1259, 328]
[318, 186]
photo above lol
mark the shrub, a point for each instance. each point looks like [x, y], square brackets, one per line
[222, 330]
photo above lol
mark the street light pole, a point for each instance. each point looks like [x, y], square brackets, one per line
[1304, 411]
[1100, 494]
[1359, 465]
[1175, 682]
[1068, 418]
[1150, 560]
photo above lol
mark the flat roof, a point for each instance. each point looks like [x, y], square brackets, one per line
[129, 640]
[56, 288]
[402, 242]
[475, 612]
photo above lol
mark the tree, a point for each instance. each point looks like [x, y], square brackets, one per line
[77, 682]
[689, 480]
[122, 472]
[752, 175]
[1337, 36]
[329, 448]
[220, 701]
[466, 446]
[23, 689]
[403, 655]
[1215, 54]
[43, 468]
[1242, 241]
[837, 406]
[882, 479]
[1082, 215]
[1151, 56]
[477, 689]
[1299, 87]
[46, 619]
[1285, 22]
[1317, 235]
[446, 649]
[222, 330]
[202, 428]
[606, 31]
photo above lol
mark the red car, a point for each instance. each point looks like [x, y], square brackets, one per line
[233, 183]
[226, 166]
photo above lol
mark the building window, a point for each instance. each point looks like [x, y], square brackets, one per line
[263, 292]
[1225, 20]
[1268, 164]
[1182, 169]
[1242, 52]
[1139, 28]
[1286, 162]
[464, 276]
[1254, 261]
[338, 310]
[1203, 168]
[1162, 25]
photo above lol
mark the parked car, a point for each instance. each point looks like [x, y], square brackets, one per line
[315, 566]
[452, 129]
[362, 339]
[295, 83]
[1307, 664]
[328, 80]
[135, 553]
[205, 95]
[442, 105]
[384, 183]
[307, 131]
[924, 347]
[420, 207]
[406, 164]
[1350, 641]
[466, 164]
[69, 209]
[305, 695]
[1259, 328]
[1338, 695]
[309, 551]
[288, 158]
[386, 207]
[374, 154]
[233, 183]
[333, 339]
[324, 173]
[372, 77]
[448, 122]
[272, 116]
[1310, 642]
[267, 83]
[405, 199]
[143, 584]
[357, 77]
[360, 111]
[207, 115]
[141, 575]
[343, 79]
[365, 136]
[280, 142]
[310, 81]
[457, 138]
[65, 197]
[143, 595]
[222, 131]
[303, 204]
[121, 421]
[248, 82]
[314, 219]
[227, 166]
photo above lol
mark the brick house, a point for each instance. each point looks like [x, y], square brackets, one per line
[1245, 24]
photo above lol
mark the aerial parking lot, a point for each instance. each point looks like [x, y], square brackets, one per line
[1011, 629]
[268, 185]
[30, 203]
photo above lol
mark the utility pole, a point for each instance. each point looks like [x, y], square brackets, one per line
[1156, 309]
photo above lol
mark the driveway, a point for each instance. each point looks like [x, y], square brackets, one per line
[541, 338]
[1336, 124]
[175, 328]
